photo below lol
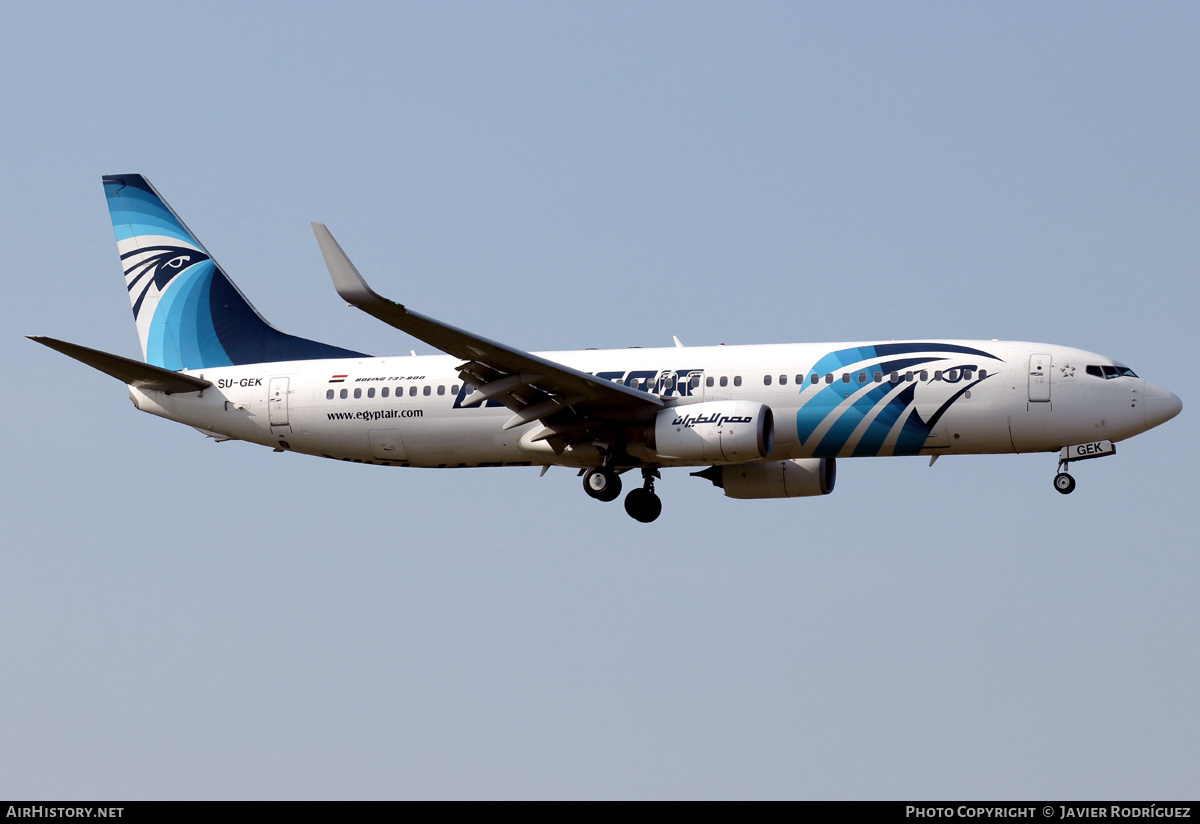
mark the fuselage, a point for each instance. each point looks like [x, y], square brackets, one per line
[857, 399]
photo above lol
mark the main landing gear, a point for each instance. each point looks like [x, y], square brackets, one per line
[604, 484]
[642, 504]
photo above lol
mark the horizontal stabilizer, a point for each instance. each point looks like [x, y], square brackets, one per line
[132, 372]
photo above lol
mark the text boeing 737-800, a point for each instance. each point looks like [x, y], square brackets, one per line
[767, 421]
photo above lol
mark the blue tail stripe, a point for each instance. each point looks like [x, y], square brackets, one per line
[200, 318]
[136, 211]
[185, 338]
[181, 316]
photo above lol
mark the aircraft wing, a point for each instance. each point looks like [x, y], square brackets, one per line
[533, 387]
[134, 373]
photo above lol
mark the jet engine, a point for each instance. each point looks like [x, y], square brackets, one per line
[774, 479]
[715, 431]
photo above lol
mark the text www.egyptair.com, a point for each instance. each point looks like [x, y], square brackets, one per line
[376, 414]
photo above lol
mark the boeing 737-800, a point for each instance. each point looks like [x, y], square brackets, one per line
[765, 421]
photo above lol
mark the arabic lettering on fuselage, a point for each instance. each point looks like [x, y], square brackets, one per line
[692, 421]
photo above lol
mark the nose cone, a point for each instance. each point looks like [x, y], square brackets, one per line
[1161, 405]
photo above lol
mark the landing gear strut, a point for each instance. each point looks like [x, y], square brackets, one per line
[642, 504]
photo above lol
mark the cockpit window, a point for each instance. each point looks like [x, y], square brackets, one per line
[1109, 372]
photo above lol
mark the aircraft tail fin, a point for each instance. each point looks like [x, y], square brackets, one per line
[189, 314]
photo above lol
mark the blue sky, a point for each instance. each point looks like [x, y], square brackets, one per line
[186, 619]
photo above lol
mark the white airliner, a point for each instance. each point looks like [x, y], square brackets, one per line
[766, 421]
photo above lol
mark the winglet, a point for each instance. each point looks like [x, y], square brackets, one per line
[346, 279]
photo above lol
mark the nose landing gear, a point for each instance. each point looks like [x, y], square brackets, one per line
[1064, 483]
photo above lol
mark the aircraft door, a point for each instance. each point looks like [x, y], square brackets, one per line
[277, 402]
[1039, 378]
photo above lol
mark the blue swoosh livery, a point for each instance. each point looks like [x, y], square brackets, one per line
[188, 312]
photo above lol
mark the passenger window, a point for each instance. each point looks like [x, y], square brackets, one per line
[766, 380]
[708, 381]
[724, 381]
[371, 392]
[982, 374]
[783, 380]
[454, 389]
[342, 394]
[862, 377]
[952, 375]
[814, 378]
[693, 382]
[845, 377]
[412, 391]
[828, 378]
[894, 378]
[737, 380]
[967, 373]
[878, 377]
[427, 391]
[924, 375]
[441, 390]
[908, 376]
[357, 393]
[328, 394]
[383, 393]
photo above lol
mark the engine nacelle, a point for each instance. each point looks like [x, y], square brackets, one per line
[775, 479]
[713, 432]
